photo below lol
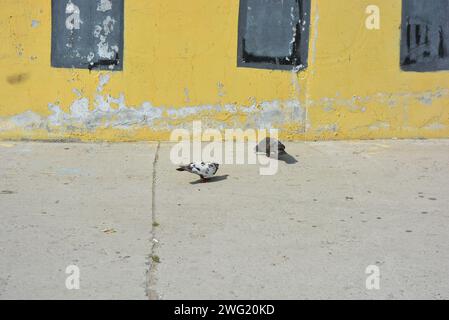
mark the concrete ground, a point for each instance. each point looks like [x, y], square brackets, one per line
[138, 229]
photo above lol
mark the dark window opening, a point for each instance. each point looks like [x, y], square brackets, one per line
[87, 34]
[425, 35]
[273, 34]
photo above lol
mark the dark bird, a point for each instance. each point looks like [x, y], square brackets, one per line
[271, 146]
[205, 170]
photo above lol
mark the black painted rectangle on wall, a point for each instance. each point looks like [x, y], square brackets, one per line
[273, 34]
[87, 34]
[425, 35]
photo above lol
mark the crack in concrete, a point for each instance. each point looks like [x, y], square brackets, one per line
[151, 280]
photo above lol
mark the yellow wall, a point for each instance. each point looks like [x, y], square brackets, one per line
[180, 65]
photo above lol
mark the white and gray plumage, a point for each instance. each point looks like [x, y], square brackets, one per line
[205, 170]
[271, 146]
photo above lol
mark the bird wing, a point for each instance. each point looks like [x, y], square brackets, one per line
[212, 169]
[204, 170]
[207, 170]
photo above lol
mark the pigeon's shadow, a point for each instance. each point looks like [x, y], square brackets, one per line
[287, 158]
[213, 179]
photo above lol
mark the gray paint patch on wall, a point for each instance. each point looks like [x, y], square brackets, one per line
[35, 23]
[87, 34]
[425, 35]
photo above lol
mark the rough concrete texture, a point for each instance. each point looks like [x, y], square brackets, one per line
[311, 230]
[75, 204]
[308, 232]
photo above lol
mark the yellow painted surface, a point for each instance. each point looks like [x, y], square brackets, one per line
[180, 57]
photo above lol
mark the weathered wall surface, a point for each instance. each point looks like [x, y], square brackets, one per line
[180, 64]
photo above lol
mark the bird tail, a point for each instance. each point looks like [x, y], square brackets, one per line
[181, 169]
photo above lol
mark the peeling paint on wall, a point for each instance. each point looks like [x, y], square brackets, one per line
[109, 112]
[104, 5]
[106, 111]
[88, 34]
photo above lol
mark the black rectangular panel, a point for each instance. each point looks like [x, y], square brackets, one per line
[273, 34]
[87, 34]
[425, 35]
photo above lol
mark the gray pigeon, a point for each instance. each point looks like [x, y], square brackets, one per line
[271, 146]
[205, 170]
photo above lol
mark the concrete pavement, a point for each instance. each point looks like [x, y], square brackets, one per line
[309, 231]
[87, 205]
